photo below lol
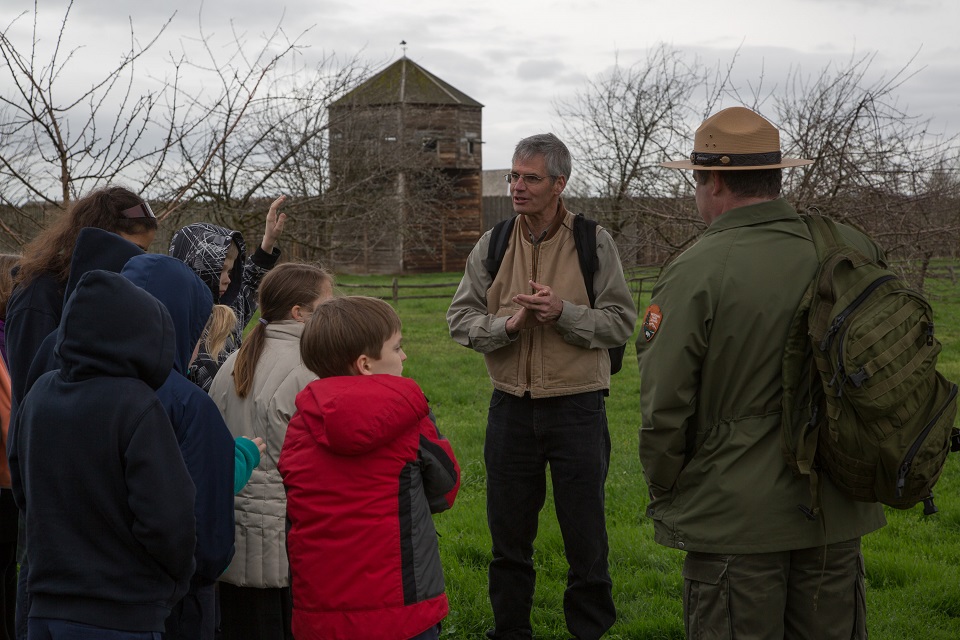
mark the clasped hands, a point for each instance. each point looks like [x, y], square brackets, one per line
[541, 307]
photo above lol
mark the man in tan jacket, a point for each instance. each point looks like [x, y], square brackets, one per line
[545, 348]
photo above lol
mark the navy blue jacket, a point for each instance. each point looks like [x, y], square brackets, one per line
[96, 467]
[205, 440]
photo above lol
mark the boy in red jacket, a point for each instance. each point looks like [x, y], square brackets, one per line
[364, 467]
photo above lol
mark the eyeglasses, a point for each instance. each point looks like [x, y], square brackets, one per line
[141, 210]
[530, 179]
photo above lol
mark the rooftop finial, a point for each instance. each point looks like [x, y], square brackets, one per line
[403, 43]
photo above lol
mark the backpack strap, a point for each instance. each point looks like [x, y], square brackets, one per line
[499, 239]
[585, 239]
[826, 239]
[825, 234]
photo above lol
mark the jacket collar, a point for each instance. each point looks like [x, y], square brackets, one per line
[559, 219]
[752, 214]
[285, 329]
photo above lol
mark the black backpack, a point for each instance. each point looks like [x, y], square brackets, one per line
[584, 238]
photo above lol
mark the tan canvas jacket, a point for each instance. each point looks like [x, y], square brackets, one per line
[563, 359]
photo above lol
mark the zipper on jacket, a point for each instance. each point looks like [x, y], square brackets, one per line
[843, 315]
[912, 452]
[535, 267]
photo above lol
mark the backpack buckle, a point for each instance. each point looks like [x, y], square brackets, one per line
[858, 377]
[807, 511]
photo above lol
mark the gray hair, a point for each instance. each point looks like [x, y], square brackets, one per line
[549, 146]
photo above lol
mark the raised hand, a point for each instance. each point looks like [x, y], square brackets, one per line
[274, 225]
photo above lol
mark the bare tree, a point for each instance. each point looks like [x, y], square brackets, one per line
[621, 126]
[56, 143]
[231, 124]
[876, 165]
[263, 131]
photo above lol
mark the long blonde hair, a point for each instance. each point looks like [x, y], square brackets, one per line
[221, 324]
[284, 287]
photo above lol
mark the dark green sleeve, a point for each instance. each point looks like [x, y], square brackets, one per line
[670, 364]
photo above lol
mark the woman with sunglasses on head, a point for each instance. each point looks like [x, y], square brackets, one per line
[255, 390]
[121, 225]
[40, 282]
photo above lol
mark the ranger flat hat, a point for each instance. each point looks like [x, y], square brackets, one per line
[736, 139]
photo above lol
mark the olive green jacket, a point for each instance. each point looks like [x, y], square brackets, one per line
[710, 392]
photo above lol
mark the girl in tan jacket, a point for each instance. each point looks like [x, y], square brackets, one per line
[255, 390]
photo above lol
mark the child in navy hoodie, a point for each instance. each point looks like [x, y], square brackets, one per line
[364, 466]
[204, 439]
[96, 469]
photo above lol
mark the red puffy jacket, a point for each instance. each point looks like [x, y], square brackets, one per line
[364, 467]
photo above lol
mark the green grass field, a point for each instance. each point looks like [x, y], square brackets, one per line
[913, 564]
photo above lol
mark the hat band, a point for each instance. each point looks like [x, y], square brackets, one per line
[735, 159]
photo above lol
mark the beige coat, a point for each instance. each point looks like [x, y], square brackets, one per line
[566, 358]
[260, 507]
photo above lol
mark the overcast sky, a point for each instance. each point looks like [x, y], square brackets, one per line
[518, 58]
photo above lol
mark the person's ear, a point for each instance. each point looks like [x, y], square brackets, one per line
[718, 183]
[559, 184]
[361, 366]
[297, 313]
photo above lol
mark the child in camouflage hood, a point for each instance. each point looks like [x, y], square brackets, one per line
[218, 255]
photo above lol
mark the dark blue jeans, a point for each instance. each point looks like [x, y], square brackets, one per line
[50, 629]
[524, 436]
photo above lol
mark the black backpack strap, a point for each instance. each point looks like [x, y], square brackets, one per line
[585, 239]
[499, 239]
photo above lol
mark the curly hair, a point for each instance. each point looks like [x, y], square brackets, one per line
[52, 249]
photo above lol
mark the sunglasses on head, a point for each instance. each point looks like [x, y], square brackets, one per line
[141, 210]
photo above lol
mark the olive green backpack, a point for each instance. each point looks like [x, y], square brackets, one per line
[862, 399]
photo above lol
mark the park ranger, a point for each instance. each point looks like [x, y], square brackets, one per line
[710, 351]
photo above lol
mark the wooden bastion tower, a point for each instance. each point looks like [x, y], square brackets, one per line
[407, 146]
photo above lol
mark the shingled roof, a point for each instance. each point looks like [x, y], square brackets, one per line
[406, 82]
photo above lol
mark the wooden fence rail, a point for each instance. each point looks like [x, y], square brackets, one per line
[638, 285]
[640, 281]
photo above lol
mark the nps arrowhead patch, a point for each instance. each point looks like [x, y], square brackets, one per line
[651, 321]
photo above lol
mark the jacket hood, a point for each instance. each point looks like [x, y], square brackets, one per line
[182, 292]
[351, 415]
[203, 247]
[98, 249]
[112, 328]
